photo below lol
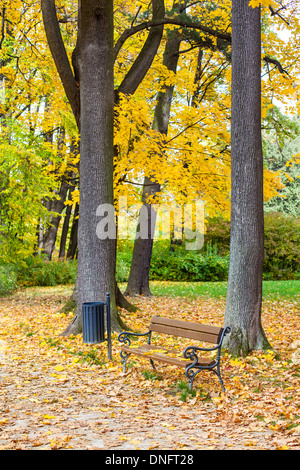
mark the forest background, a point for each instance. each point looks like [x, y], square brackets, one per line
[39, 143]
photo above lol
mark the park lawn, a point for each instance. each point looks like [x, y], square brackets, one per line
[275, 290]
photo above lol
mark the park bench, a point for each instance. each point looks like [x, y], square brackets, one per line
[189, 359]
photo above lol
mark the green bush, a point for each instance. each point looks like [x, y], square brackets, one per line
[124, 256]
[37, 271]
[174, 263]
[182, 265]
[281, 261]
[7, 280]
[218, 235]
[282, 247]
[282, 244]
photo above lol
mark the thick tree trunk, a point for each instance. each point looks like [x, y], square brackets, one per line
[244, 297]
[138, 281]
[96, 256]
[89, 86]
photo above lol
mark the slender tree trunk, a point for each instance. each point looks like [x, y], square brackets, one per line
[138, 281]
[56, 206]
[73, 242]
[65, 229]
[244, 297]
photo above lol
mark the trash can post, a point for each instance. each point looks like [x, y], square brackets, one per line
[108, 326]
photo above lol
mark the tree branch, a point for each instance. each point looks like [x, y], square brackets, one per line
[273, 13]
[268, 60]
[145, 58]
[162, 21]
[59, 55]
[2, 27]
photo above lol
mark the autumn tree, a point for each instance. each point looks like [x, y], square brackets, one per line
[244, 295]
[90, 90]
[27, 120]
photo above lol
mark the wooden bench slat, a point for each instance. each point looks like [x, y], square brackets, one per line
[159, 353]
[207, 333]
[186, 324]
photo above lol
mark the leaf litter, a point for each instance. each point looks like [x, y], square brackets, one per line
[58, 393]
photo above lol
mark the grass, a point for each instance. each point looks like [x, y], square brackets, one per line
[273, 290]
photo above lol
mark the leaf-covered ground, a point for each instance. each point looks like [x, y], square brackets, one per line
[58, 393]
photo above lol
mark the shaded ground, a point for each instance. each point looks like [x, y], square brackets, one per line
[57, 393]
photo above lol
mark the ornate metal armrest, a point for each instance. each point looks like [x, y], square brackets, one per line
[191, 351]
[124, 337]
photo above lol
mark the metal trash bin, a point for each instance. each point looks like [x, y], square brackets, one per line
[93, 322]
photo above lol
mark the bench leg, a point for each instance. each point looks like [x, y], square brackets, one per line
[191, 375]
[124, 357]
[152, 364]
[190, 381]
[219, 377]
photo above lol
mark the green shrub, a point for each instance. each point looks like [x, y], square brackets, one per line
[182, 265]
[211, 263]
[124, 256]
[122, 270]
[218, 235]
[282, 246]
[37, 271]
[7, 280]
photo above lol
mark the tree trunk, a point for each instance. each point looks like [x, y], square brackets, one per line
[56, 206]
[65, 229]
[73, 242]
[96, 257]
[138, 281]
[89, 84]
[244, 296]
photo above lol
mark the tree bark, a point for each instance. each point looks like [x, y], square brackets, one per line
[96, 257]
[58, 52]
[244, 296]
[143, 62]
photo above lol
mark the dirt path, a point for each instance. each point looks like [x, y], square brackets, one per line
[108, 416]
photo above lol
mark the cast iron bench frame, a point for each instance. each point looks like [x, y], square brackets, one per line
[189, 359]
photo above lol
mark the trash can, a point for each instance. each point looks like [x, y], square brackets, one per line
[93, 326]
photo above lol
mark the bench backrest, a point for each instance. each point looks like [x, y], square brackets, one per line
[186, 329]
